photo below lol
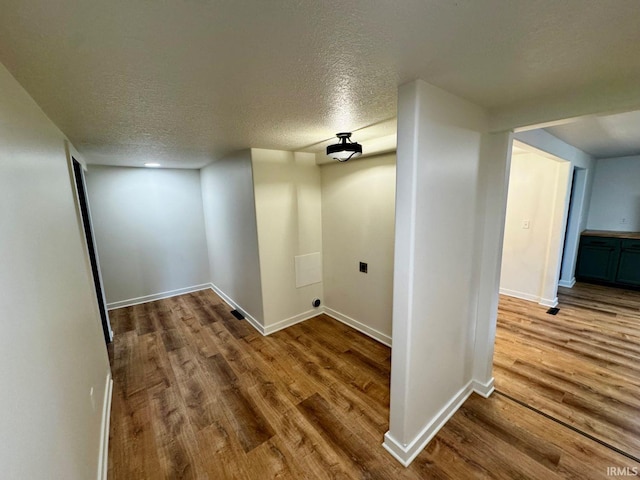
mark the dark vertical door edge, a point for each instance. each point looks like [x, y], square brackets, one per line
[88, 233]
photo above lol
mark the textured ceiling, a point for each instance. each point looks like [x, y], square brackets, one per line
[603, 137]
[186, 81]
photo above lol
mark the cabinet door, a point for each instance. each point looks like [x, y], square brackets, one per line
[598, 259]
[629, 265]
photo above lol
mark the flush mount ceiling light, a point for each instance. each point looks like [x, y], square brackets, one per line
[152, 165]
[345, 150]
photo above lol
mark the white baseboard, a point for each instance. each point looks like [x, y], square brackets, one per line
[396, 449]
[406, 453]
[549, 303]
[269, 329]
[483, 389]
[287, 322]
[521, 295]
[233, 304]
[156, 296]
[567, 283]
[361, 327]
[531, 298]
[301, 317]
[103, 456]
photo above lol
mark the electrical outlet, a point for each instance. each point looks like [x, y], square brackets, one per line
[525, 224]
[363, 267]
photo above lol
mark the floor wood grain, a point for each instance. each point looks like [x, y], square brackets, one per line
[199, 394]
[581, 366]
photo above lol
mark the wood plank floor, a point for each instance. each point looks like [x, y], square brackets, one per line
[199, 394]
[581, 366]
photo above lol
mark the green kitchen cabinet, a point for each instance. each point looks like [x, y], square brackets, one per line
[629, 263]
[598, 259]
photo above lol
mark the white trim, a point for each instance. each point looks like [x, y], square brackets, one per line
[567, 284]
[156, 296]
[395, 448]
[521, 295]
[253, 322]
[103, 456]
[222, 295]
[361, 327]
[287, 322]
[531, 298]
[406, 453]
[301, 317]
[72, 154]
[549, 303]
[229, 301]
[483, 389]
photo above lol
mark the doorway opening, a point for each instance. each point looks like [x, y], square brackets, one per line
[535, 225]
[577, 367]
[78, 174]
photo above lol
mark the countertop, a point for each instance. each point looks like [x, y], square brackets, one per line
[611, 234]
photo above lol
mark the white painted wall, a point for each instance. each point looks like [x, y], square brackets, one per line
[289, 223]
[358, 216]
[149, 229]
[435, 288]
[537, 194]
[577, 221]
[491, 207]
[52, 347]
[232, 237]
[615, 199]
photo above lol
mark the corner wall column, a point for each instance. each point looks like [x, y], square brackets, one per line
[442, 147]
